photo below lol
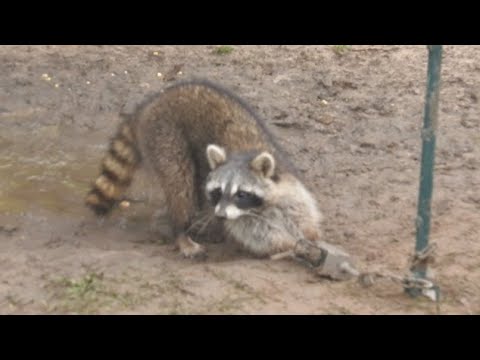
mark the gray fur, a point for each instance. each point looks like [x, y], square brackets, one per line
[171, 131]
[280, 222]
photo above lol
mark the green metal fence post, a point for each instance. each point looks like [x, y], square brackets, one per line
[428, 158]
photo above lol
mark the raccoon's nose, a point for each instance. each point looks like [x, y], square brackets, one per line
[220, 212]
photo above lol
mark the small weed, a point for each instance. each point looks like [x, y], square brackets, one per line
[341, 49]
[223, 50]
[83, 287]
[88, 294]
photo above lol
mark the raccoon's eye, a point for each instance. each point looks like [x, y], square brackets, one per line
[242, 194]
[245, 200]
[215, 195]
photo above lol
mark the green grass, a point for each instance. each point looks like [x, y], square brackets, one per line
[223, 50]
[341, 49]
[88, 294]
[83, 287]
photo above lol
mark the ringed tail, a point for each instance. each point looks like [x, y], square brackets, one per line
[116, 171]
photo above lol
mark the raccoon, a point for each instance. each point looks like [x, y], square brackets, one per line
[208, 149]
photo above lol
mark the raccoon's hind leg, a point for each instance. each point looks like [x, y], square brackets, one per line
[181, 201]
[175, 168]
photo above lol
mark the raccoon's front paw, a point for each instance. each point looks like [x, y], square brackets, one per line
[190, 249]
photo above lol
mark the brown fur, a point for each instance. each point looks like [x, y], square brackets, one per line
[171, 131]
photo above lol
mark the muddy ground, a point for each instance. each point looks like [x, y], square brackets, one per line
[350, 117]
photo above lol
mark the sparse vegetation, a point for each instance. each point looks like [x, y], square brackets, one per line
[86, 295]
[341, 49]
[223, 50]
[83, 287]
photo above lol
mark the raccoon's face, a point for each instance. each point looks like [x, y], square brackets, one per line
[237, 185]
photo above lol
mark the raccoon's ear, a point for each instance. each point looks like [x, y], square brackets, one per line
[264, 164]
[216, 156]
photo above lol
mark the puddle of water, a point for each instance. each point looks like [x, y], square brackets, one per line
[55, 185]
